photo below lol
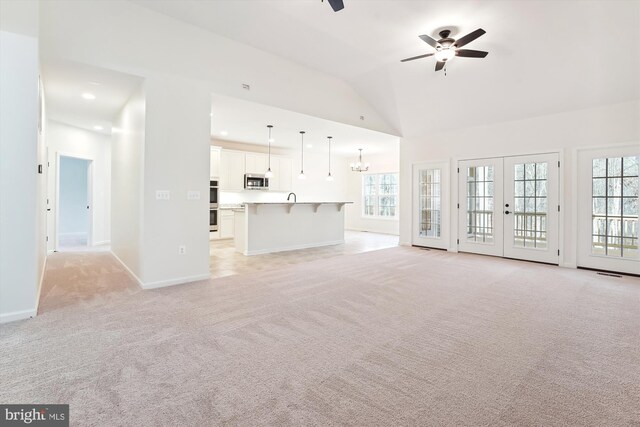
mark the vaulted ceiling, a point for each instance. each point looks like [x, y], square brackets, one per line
[545, 57]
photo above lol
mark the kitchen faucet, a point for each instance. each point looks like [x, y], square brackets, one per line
[295, 198]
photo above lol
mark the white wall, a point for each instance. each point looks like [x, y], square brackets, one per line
[72, 141]
[127, 159]
[381, 163]
[21, 213]
[176, 158]
[602, 126]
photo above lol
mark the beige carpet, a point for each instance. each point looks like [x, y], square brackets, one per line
[399, 336]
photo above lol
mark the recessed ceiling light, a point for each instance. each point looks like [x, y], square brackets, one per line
[309, 145]
[224, 133]
[98, 127]
[88, 95]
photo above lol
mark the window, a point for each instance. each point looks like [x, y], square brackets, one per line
[614, 214]
[430, 198]
[480, 204]
[380, 195]
[530, 210]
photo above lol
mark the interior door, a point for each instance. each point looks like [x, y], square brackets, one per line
[608, 209]
[431, 205]
[531, 219]
[480, 208]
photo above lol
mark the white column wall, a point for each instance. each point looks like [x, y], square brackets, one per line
[176, 157]
[22, 246]
[127, 172]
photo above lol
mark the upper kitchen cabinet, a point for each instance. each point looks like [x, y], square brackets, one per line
[282, 168]
[232, 166]
[256, 163]
[214, 163]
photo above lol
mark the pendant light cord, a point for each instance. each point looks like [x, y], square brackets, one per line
[269, 126]
[301, 151]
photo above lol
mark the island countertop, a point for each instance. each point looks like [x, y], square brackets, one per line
[264, 227]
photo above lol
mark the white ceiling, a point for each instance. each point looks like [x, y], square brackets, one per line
[545, 57]
[245, 121]
[65, 82]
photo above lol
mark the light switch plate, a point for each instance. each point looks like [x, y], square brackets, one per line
[163, 194]
[193, 195]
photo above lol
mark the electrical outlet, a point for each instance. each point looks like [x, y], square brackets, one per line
[193, 195]
[163, 194]
[182, 250]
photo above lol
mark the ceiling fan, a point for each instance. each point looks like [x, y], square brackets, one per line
[446, 48]
[336, 5]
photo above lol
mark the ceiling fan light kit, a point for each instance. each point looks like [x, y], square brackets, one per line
[447, 48]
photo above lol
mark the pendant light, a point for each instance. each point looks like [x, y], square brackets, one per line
[329, 177]
[302, 175]
[269, 174]
[359, 166]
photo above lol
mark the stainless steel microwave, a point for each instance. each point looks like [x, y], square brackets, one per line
[255, 182]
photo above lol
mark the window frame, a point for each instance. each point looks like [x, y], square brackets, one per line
[377, 196]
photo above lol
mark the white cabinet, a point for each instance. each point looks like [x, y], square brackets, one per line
[256, 163]
[214, 163]
[227, 224]
[232, 165]
[282, 168]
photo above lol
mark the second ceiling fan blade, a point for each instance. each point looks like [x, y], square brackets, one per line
[336, 5]
[469, 37]
[416, 57]
[469, 53]
[428, 40]
[439, 65]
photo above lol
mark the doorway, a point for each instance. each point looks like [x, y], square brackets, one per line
[74, 222]
[431, 205]
[508, 206]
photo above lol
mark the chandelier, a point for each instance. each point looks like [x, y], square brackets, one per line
[359, 166]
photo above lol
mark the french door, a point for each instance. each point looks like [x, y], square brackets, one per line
[431, 205]
[509, 207]
[608, 209]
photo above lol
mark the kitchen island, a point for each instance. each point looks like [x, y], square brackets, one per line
[262, 228]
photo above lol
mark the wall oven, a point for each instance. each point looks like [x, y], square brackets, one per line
[255, 182]
[213, 205]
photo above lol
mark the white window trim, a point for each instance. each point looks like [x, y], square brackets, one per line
[396, 217]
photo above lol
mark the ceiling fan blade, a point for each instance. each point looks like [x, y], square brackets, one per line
[416, 57]
[439, 65]
[468, 53]
[469, 37]
[336, 5]
[428, 40]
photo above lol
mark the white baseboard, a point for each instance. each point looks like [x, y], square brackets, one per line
[368, 230]
[44, 267]
[162, 283]
[137, 279]
[17, 315]
[173, 282]
[294, 247]
[102, 242]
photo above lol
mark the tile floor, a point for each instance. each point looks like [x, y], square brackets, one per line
[225, 261]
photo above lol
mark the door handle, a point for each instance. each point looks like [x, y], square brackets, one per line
[507, 212]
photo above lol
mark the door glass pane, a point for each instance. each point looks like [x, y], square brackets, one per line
[430, 209]
[614, 211]
[480, 204]
[530, 207]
